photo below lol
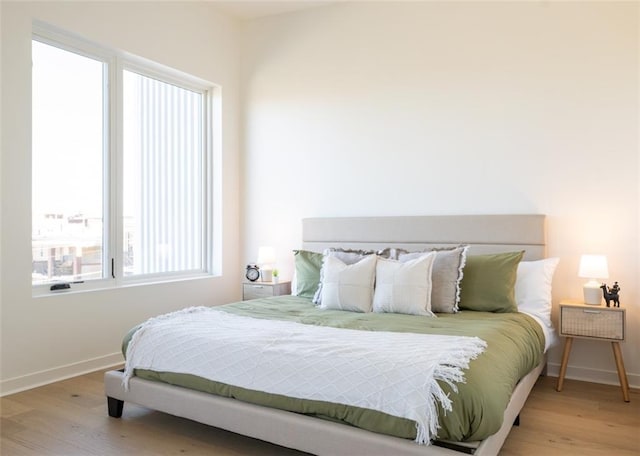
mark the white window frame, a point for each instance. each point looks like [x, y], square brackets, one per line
[116, 62]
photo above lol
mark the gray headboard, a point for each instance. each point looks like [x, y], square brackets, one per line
[484, 233]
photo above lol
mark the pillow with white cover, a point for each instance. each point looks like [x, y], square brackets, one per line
[446, 276]
[347, 256]
[348, 286]
[533, 288]
[404, 287]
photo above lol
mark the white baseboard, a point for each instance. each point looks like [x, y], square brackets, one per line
[593, 375]
[25, 382]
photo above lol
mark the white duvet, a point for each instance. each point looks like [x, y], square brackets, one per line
[394, 373]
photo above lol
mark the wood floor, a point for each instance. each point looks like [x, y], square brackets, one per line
[69, 418]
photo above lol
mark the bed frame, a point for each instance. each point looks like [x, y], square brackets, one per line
[484, 233]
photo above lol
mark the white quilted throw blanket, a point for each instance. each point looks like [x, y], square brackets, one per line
[394, 373]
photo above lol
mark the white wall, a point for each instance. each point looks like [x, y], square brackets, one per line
[451, 108]
[47, 338]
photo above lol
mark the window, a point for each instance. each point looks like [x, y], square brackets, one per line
[162, 169]
[68, 118]
[121, 159]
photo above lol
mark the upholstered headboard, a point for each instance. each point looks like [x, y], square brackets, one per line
[484, 233]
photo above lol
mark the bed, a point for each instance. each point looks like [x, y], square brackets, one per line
[485, 234]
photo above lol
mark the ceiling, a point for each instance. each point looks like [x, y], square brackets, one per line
[247, 10]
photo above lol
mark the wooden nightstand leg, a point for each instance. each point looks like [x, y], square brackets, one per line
[622, 374]
[565, 360]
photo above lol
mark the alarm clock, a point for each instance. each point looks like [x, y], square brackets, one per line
[253, 272]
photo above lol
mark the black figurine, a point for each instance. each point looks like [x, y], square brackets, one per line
[611, 294]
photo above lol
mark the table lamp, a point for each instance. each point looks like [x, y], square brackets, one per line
[266, 261]
[593, 267]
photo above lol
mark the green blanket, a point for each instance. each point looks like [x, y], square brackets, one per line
[515, 346]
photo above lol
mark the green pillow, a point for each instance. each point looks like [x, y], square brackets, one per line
[488, 282]
[308, 266]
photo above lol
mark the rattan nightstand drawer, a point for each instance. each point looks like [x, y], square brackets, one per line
[593, 322]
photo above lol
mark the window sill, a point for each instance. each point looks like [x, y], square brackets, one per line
[43, 291]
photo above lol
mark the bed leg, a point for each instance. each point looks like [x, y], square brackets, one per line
[517, 421]
[115, 407]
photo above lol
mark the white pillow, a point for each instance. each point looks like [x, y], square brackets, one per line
[294, 284]
[533, 288]
[348, 286]
[347, 256]
[404, 287]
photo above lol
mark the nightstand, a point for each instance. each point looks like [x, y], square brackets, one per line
[593, 322]
[255, 290]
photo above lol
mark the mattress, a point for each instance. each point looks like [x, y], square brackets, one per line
[515, 345]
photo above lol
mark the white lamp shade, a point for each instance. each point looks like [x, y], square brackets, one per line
[266, 256]
[266, 261]
[593, 267]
